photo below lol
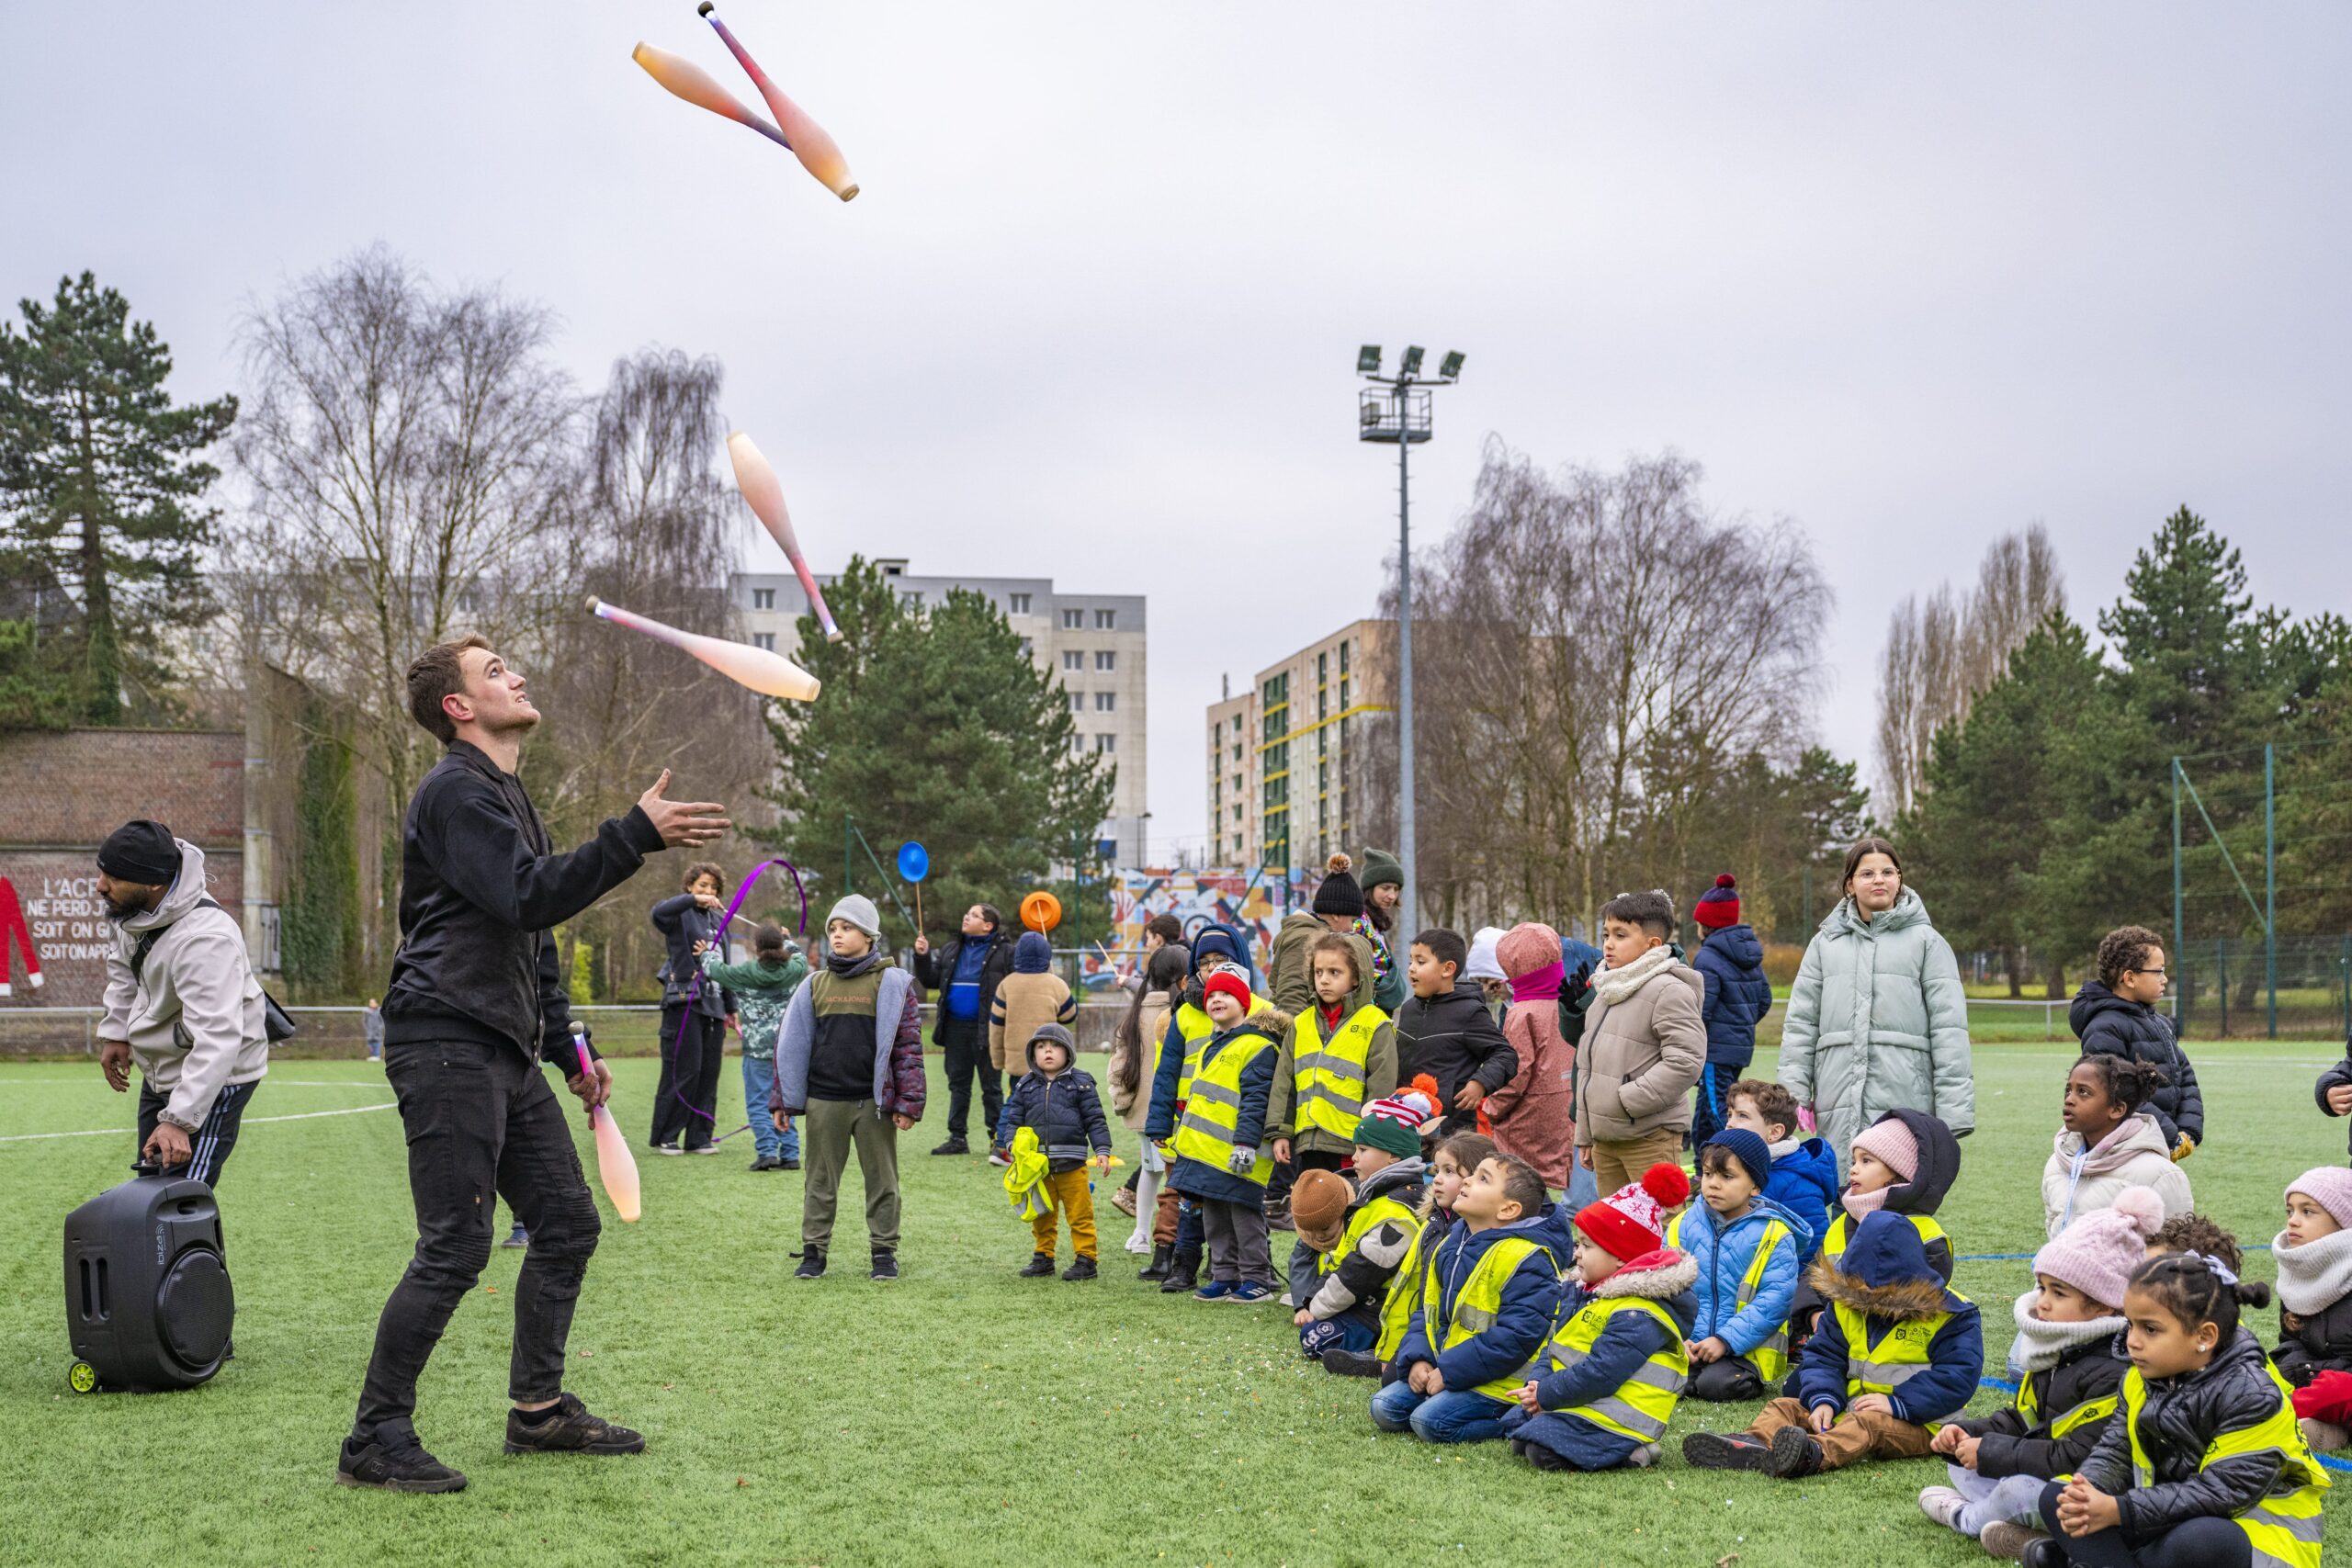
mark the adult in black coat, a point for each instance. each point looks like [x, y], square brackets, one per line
[964, 972]
[694, 1015]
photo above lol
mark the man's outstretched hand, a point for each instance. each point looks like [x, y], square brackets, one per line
[682, 824]
[593, 1087]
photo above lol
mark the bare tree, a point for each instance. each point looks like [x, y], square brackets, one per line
[1941, 656]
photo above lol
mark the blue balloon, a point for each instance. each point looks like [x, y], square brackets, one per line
[914, 861]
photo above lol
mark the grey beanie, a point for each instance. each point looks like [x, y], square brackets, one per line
[859, 911]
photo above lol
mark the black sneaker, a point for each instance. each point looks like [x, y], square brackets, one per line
[1081, 1270]
[886, 1264]
[812, 1265]
[408, 1468]
[954, 1145]
[766, 1162]
[2044, 1552]
[1161, 1257]
[1796, 1454]
[1352, 1363]
[1183, 1274]
[1040, 1267]
[668, 1148]
[518, 1238]
[787, 1163]
[569, 1428]
[1726, 1450]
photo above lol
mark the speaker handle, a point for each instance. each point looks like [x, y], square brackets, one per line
[146, 1167]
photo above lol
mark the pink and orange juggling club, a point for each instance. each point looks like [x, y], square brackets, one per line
[770, 675]
[757, 481]
[699, 87]
[615, 1167]
[817, 153]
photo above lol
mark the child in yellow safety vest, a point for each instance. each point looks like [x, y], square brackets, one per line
[1356, 1317]
[2070, 1328]
[1222, 1163]
[1616, 1361]
[2204, 1463]
[1746, 1247]
[1895, 1352]
[1340, 1055]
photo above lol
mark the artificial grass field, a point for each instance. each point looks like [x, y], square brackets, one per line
[960, 1415]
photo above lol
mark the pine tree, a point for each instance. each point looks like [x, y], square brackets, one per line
[101, 488]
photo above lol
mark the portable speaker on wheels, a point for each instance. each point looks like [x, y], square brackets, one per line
[147, 1299]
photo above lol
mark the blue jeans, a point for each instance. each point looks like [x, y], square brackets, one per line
[759, 1075]
[1454, 1416]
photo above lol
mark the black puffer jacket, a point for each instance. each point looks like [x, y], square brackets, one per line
[2177, 1422]
[1453, 1037]
[1065, 1110]
[2107, 1025]
[2336, 1076]
[2009, 1447]
[2310, 1346]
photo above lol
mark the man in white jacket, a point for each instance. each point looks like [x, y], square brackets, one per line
[181, 1001]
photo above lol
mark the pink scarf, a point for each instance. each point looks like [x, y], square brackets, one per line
[1862, 1206]
[1539, 985]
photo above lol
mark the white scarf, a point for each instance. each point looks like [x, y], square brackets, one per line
[2314, 1276]
[2042, 1346]
[1616, 984]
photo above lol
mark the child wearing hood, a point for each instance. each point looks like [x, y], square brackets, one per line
[1533, 1115]
[1061, 1106]
[1904, 1163]
[1805, 1171]
[1895, 1351]
[2314, 1259]
[1486, 1301]
[2071, 1364]
[1746, 1249]
[1618, 1361]
[1026, 1001]
[1356, 1319]
[1730, 962]
[1222, 1161]
[2107, 1143]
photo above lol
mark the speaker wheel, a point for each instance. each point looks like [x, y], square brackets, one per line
[82, 1377]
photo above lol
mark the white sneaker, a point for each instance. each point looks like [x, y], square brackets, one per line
[1140, 1243]
[2323, 1436]
[2003, 1539]
[1288, 1303]
[1942, 1505]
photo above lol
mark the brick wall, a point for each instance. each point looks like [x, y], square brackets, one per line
[63, 792]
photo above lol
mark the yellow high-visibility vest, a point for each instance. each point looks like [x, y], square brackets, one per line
[1328, 1074]
[1404, 1291]
[1772, 1357]
[1212, 1106]
[2284, 1526]
[1841, 1231]
[1366, 1216]
[1477, 1304]
[1196, 1027]
[1644, 1403]
[1896, 1358]
[2030, 1411]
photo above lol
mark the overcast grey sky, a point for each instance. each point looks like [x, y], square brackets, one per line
[1911, 276]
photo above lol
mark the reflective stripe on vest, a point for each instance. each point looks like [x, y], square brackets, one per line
[1195, 1027]
[1477, 1304]
[1213, 1108]
[1900, 1354]
[2089, 1410]
[1397, 1307]
[2284, 1526]
[1772, 1357]
[1644, 1403]
[1329, 1073]
[1841, 1231]
[1366, 1216]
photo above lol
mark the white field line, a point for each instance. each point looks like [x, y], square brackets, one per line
[248, 1122]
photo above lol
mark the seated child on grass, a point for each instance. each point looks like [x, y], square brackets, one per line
[2194, 1232]
[1805, 1171]
[1356, 1319]
[2071, 1364]
[1894, 1351]
[1903, 1163]
[1616, 1364]
[1487, 1295]
[2314, 1259]
[1745, 1248]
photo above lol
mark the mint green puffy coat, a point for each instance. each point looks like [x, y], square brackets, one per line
[1876, 1022]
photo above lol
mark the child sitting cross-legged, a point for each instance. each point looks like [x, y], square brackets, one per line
[1805, 1171]
[1364, 1299]
[1617, 1362]
[1894, 1351]
[2071, 1367]
[1487, 1293]
[2314, 1259]
[1745, 1248]
[1904, 1164]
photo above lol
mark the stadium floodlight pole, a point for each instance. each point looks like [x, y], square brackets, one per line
[1402, 414]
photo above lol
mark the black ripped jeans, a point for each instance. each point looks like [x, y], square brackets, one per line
[480, 1120]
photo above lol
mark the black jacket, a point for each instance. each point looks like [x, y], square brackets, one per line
[1453, 1038]
[2320, 1343]
[480, 884]
[936, 971]
[683, 922]
[2178, 1422]
[2009, 1447]
[2108, 1025]
[2336, 1076]
[1064, 1110]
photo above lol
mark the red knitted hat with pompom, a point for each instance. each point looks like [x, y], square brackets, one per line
[1719, 906]
[1632, 1220]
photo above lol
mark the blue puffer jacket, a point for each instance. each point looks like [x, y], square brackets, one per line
[1886, 1277]
[1529, 1297]
[1731, 962]
[1804, 1182]
[1190, 1176]
[1723, 1253]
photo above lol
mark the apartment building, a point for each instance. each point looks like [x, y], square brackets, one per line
[1284, 783]
[1092, 642]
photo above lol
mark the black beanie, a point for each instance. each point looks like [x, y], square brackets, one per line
[1338, 894]
[141, 852]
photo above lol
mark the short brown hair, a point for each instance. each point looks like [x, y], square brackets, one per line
[701, 869]
[439, 672]
[1332, 941]
[1522, 1184]
[1774, 1103]
[2123, 950]
[1167, 928]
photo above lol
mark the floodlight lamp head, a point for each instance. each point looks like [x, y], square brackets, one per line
[1412, 362]
[1368, 359]
[1449, 368]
